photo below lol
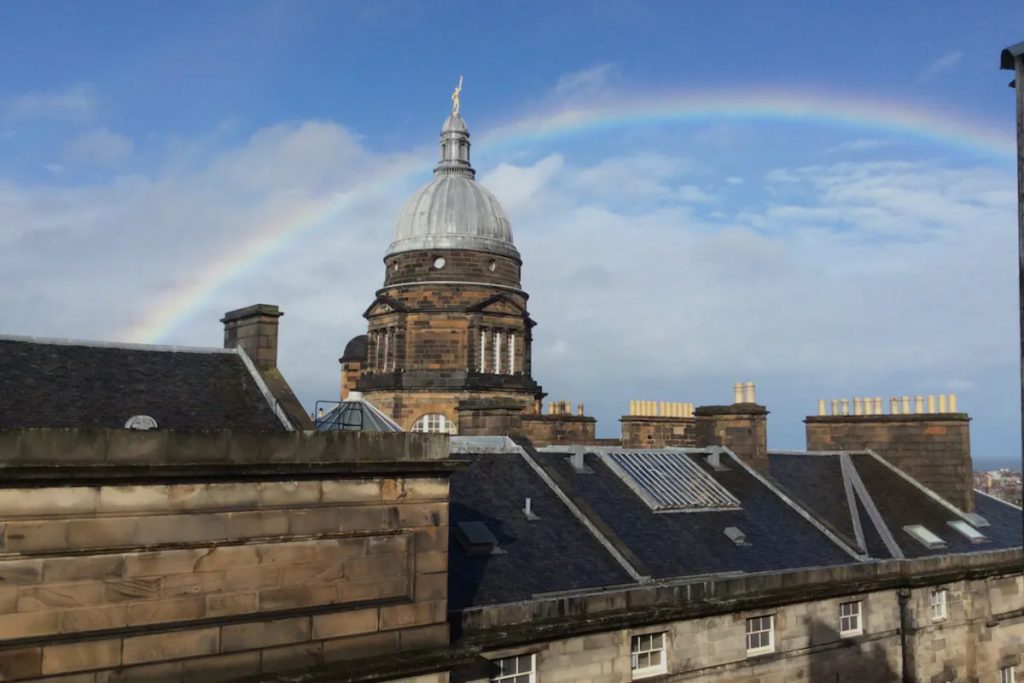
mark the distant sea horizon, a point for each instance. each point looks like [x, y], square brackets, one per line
[986, 463]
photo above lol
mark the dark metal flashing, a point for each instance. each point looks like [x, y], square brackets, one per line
[858, 419]
[734, 409]
[99, 475]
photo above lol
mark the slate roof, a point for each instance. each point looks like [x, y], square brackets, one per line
[811, 480]
[59, 383]
[799, 517]
[553, 553]
[675, 544]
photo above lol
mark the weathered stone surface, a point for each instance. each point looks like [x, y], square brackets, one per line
[264, 634]
[172, 645]
[341, 624]
[71, 657]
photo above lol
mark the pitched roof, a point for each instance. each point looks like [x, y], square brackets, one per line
[676, 544]
[882, 501]
[553, 553]
[75, 384]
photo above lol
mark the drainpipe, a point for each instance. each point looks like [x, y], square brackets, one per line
[903, 595]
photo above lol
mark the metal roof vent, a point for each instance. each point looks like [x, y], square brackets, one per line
[476, 538]
[531, 516]
[976, 520]
[925, 537]
[965, 529]
[714, 458]
[735, 535]
[578, 461]
[140, 422]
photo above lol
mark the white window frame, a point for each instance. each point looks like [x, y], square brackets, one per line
[511, 353]
[497, 352]
[758, 621]
[483, 349]
[851, 615]
[1008, 674]
[515, 673]
[938, 601]
[433, 423]
[636, 649]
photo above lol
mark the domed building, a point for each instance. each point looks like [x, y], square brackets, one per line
[450, 324]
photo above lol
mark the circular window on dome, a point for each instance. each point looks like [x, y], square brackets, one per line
[439, 262]
[492, 266]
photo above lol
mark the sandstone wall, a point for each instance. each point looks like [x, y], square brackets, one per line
[643, 431]
[211, 572]
[935, 449]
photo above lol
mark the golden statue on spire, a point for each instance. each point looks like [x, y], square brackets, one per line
[455, 98]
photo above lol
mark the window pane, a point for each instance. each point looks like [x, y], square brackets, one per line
[657, 640]
[524, 663]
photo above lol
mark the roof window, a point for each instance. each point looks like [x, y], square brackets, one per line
[670, 481]
[477, 538]
[925, 537]
[972, 534]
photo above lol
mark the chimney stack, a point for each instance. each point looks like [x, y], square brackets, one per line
[254, 329]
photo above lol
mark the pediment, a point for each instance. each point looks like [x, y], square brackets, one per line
[499, 304]
[383, 305]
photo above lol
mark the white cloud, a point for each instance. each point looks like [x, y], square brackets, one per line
[77, 102]
[734, 180]
[99, 147]
[880, 278]
[859, 145]
[584, 84]
[943, 63]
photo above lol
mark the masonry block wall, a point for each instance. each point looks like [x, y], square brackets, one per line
[441, 335]
[935, 449]
[254, 329]
[551, 430]
[645, 431]
[741, 427]
[981, 633]
[208, 557]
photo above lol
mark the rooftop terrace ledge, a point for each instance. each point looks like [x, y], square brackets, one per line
[687, 598]
[51, 455]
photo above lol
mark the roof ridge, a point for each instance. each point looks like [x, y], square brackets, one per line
[128, 346]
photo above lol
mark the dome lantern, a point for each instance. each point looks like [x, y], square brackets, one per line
[452, 211]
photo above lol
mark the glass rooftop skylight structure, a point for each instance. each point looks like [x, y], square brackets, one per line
[670, 481]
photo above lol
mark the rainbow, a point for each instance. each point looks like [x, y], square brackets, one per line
[899, 119]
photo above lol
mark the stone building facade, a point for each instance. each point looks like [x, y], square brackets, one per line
[451, 322]
[163, 556]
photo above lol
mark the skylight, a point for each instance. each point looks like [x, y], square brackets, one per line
[925, 537]
[972, 534]
[670, 481]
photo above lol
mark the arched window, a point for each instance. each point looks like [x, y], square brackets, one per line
[434, 422]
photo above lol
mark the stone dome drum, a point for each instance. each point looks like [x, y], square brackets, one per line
[452, 211]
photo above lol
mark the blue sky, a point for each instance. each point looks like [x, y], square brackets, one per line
[142, 143]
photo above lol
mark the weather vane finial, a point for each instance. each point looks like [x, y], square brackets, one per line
[455, 98]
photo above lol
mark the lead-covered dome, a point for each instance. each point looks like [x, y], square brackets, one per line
[452, 211]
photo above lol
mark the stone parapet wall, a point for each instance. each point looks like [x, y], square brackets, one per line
[158, 571]
[741, 427]
[935, 449]
[644, 431]
[586, 638]
[405, 407]
[552, 430]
